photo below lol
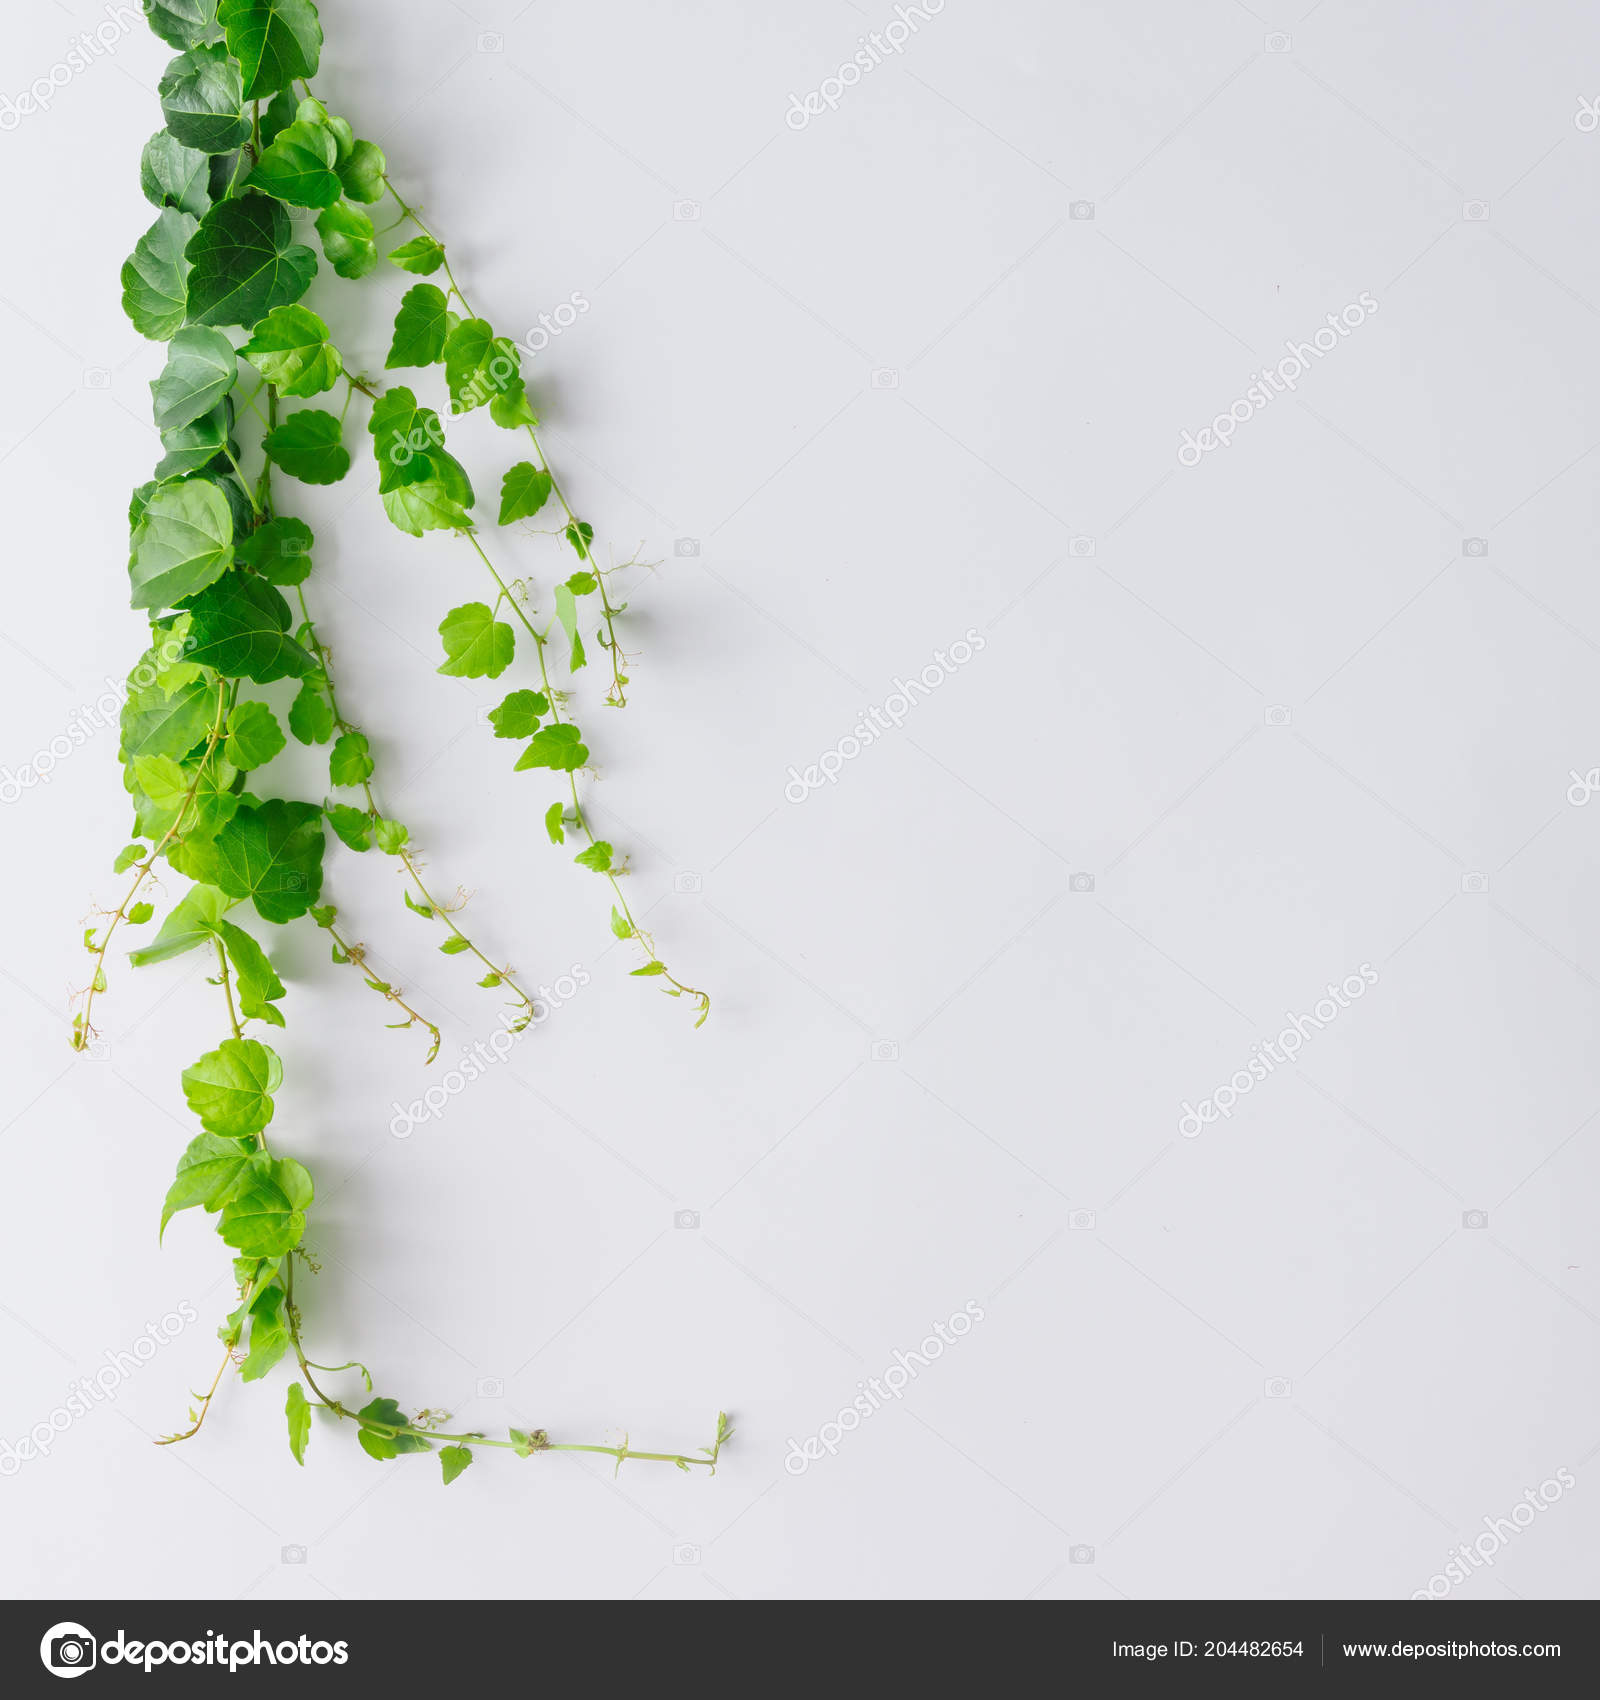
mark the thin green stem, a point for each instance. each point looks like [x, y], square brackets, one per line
[356, 956]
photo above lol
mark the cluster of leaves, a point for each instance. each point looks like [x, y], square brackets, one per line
[219, 278]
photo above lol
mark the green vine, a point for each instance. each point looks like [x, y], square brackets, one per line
[212, 557]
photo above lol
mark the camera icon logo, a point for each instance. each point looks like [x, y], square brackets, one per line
[1275, 1387]
[1081, 882]
[686, 211]
[491, 1387]
[96, 378]
[686, 1218]
[1474, 1218]
[1278, 42]
[1474, 548]
[885, 1050]
[1475, 882]
[1080, 548]
[491, 42]
[686, 546]
[1081, 1554]
[1475, 212]
[1278, 715]
[1080, 1221]
[686, 1552]
[885, 378]
[98, 1050]
[1081, 210]
[687, 884]
[68, 1649]
[293, 1555]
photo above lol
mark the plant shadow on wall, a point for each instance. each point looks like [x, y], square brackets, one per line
[221, 570]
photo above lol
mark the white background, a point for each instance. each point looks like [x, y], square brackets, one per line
[929, 1050]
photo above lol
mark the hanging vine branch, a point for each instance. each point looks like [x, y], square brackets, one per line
[219, 279]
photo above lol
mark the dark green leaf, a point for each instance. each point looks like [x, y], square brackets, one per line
[354, 826]
[182, 23]
[275, 41]
[454, 1459]
[310, 715]
[172, 175]
[155, 289]
[280, 550]
[478, 365]
[309, 445]
[200, 370]
[298, 167]
[361, 171]
[245, 262]
[240, 627]
[384, 1415]
[267, 1217]
[258, 982]
[202, 100]
[183, 543]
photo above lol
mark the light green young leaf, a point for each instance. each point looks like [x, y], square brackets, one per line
[511, 409]
[297, 1408]
[621, 926]
[392, 836]
[258, 983]
[567, 613]
[245, 261]
[347, 239]
[557, 747]
[155, 289]
[478, 365]
[162, 781]
[309, 445]
[552, 822]
[262, 1220]
[597, 857]
[202, 100]
[172, 175]
[269, 1334]
[154, 724]
[275, 42]
[361, 169]
[476, 645]
[140, 913]
[420, 327]
[193, 922]
[350, 760]
[299, 167]
[454, 1460]
[523, 491]
[254, 736]
[519, 715]
[354, 826]
[433, 504]
[127, 857]
[201, 368]
[421, 255]
[210, 1172]
[231, 1088]
[183, 543]
[290, 348]
[310, 715]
